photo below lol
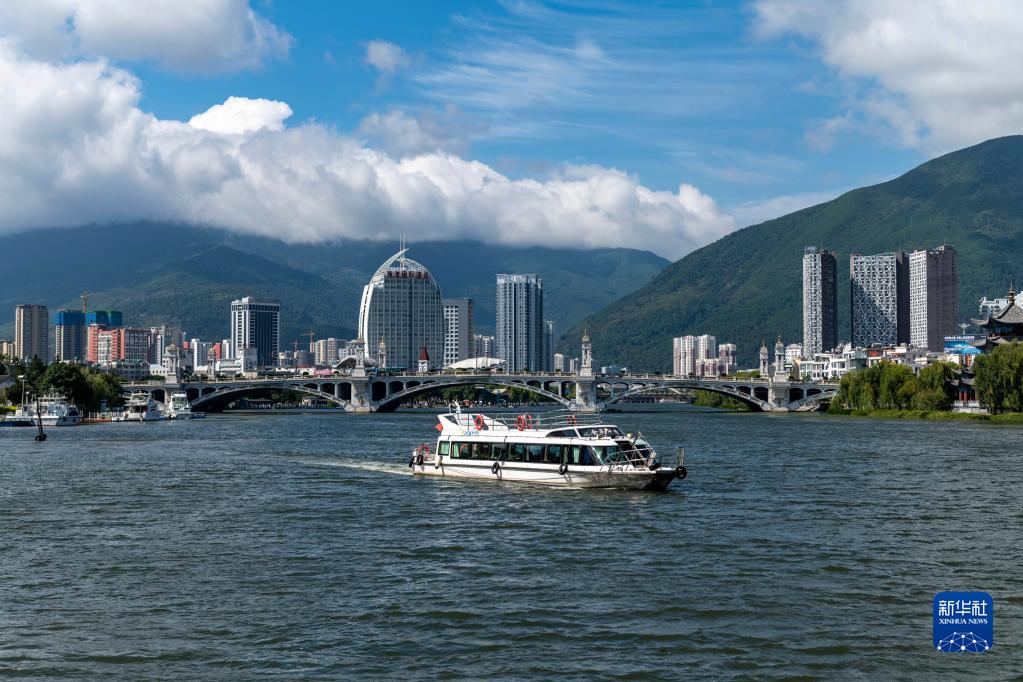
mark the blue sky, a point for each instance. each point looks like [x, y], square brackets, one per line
[671, 92]
[656, 125]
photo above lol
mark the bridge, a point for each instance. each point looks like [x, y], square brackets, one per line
[362, 391]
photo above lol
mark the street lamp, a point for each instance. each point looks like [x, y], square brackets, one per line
[21, 378]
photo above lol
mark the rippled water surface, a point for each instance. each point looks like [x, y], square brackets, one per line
[296, 546]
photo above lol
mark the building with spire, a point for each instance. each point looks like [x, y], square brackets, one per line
[402, 305]
[586, 366]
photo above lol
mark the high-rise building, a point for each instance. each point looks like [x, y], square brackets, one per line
[548, 345]
[880, 299]
[520, 324]
[326, 351]
[32, 332]
[695, 355]
[104, 318]
[107, 346]
[933, 297]
[483, 346]
[559, 362]
[256, 324]
[69, 336]
[820, 300]
[683, 356]
[727, 359]
[458, 330]
[402, 305]
[202, 352]
[6, 348]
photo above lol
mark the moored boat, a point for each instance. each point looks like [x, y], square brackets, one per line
[179, 407]
[51, 410]
[554, 449]
[141, 408]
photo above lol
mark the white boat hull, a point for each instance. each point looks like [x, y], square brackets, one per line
[539, 474]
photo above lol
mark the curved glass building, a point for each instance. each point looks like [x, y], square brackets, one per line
[402, 305]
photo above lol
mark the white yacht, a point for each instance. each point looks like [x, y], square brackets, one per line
[555, 448]
[54, 409]
[141, 408]
[179, 407]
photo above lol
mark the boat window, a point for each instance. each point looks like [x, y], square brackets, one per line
[554, 453]
[589, 458]
[534, 453]
[481, 450]
[498, 451]
[518, 452]
[461, 451]
[563, 433]
[444, 447]
[603, 454]
[575, 455]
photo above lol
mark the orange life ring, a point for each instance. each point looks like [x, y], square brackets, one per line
[520, 422]
[424, 448]
[480, 424]
[529, 421]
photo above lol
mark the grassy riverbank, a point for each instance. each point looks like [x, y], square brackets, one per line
[933, 415]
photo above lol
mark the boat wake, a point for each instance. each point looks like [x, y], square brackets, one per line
[379, 467]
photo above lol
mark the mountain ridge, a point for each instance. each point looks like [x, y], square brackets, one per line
[971, 198]
[167, 272]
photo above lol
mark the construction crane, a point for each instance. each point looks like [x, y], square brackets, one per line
[85, 302]
[312, 344]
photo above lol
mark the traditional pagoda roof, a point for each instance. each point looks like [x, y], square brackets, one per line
[1005, 327]
[1009, 316]
[424, 354]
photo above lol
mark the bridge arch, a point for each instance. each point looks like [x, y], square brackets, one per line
[215, 400]
[746, 397]
[390, 403]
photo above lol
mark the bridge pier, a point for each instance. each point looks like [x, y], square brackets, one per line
[586, 396]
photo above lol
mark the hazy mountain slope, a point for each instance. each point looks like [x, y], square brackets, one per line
[161, 272]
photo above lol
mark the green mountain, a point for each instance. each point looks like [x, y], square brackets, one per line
[747, 286]
[165, 273]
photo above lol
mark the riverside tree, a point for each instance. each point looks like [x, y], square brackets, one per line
[999, 378]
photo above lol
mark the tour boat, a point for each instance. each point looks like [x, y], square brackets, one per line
[53, 410]
[555, 448]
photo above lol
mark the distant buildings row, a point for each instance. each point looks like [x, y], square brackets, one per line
[404, 323]
[895, 299]
[701, 356]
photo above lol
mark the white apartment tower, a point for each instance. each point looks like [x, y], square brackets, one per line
[520, 323]
[458, 330]
[32, 332]
[256, 324]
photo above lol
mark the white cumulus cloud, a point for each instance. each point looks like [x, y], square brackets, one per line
[930, 73]
[195, 36]
[76, 148]
[242, 115]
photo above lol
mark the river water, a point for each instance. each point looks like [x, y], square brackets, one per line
[297, 546]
